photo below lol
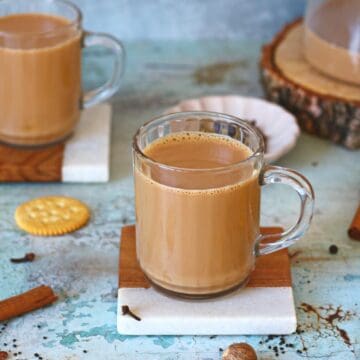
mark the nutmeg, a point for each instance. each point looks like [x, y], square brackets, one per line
[240, 351]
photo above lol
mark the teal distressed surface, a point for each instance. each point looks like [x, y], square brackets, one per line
[82, 267]
[189, 19]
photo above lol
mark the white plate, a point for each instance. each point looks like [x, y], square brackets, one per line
[278, 125]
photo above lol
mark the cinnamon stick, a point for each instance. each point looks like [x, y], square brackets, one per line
[31, 300]
[354, 229]
[3, 355]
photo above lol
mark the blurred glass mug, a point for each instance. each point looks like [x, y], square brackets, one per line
[197, 229]
[332, 38]
[40, 70]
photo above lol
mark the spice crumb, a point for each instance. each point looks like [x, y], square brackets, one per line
[333, 249]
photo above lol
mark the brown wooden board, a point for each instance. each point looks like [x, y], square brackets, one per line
[271, 270]
[31, 165]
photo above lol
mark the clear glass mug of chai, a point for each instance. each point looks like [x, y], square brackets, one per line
[41, 95]
[198, 179]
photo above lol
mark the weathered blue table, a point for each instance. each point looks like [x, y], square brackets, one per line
[82, 267]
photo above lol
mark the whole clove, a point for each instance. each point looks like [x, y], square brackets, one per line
[126, 311]
[27, 258]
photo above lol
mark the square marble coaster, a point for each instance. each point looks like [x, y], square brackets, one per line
[84, 157]
[87, 153]
[265, 306]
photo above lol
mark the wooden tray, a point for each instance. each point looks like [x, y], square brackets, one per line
[323, 106]
[82, 158]
[265, 306]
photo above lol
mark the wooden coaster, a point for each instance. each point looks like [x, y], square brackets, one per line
[265, 306]
[82, 158]
[323, 106]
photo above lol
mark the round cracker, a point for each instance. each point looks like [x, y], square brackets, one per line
[52, 215]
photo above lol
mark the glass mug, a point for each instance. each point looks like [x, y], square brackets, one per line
[332, 38]
[197, 229]
[40, 70]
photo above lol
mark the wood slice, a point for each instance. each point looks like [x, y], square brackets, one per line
[323, 106]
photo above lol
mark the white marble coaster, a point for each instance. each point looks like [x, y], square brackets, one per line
[265, 306]
[251, 311]
[87, 152]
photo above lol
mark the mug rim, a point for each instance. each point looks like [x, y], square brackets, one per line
[69, 4]
[256, 153]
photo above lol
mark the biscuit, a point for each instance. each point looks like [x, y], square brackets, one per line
[52, 215]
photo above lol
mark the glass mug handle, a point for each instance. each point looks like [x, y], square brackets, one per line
[108, 89]
[279, 175]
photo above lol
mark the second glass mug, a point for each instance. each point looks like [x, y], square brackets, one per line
[40, 70]
[201, 239]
